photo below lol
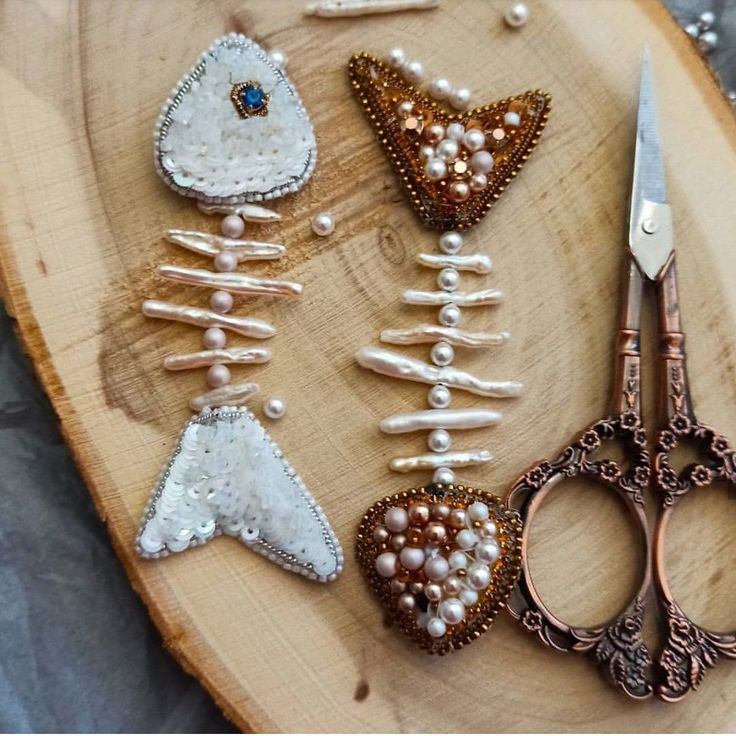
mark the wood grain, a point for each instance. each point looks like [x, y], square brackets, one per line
[82, 213]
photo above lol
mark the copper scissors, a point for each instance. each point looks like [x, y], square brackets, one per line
[617, 646]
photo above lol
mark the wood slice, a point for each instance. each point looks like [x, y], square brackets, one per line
[82, 212]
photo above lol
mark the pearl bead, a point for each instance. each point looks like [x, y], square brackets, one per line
[439, 88]
[487, 551]
[460, 98]
[512, 119]
[435, 169]
[396, 519]
[232, 226]
[451, 242]
[481, 162]
[448, 150]
[439, 440]
[380, 535]
[413, 72]
[708, 41]
[452, 611]
[406, 603]
[692, 30]
[468, 597]
[448, 279]
[418, 514]
[450, 315]
[458, 518]
[489, 529]
[398, 542]
[439, 397]
[404, 109]
[452, 585]
[474, 139]
[458, 560]
[395, 58]
[412, 558]
[478, 511]
[397, 586]
[436, 568]
[516, 15]
[442, 354]
[440, 511]
[225, 261]
[323, 224]
[218, 375]
[274, 408]
[278, 58]
[459, 191]
[436, 627]
[221, 302]
[416, 588]
[445, 476]
[706, 20]
[434, 133]
[478, 182]
[214, 338]
[455, 131]
[386, 564]
[433, 592]
[465, 539]
[426, 152]
[478, 577]
[435, 533]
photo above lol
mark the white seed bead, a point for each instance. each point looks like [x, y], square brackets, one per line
[442, 354]
[474, 139]
[479, 576]
[413, 72]
[439, 440]
[478, 511]
[396, 519]
[450, 315]
[274, 408]
[439, 397]
[436, 627]
[451, 242]
[512, 119]
[439, 88]
[412, 558]
[426, 152]
[395, 58]
[455, 131]
[452, 611]
[516, 15]
[278, 58]
[323, 224]
[448, 150]
[444, 476]
[448, 279]
[481, 162]
[435, 169]
[468, 597]
[386, 564]
[466, 539]
[460, 98]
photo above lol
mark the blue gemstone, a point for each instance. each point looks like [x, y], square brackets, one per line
[253, 97]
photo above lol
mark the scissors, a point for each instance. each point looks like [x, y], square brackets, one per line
[617, 646]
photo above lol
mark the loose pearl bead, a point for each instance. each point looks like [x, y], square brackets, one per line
[436, 628]
[435, 169]
[278, 58]
[487, 551]
[465, 539]
[426, 152]
[481, 162]
[433, 592]
[450, 315]
[478, 577]
[435, 532]
[436, 568]
[214, 338]
[406, 603]
[516, 15]
[460, 98]
[442, 354]
[468, 597]
[232, 226]
[225, 261]
[439, 88]
[405, 108]
[439, 397]
[395, 58]
[455, 131]
[274, 408]
[221, 302]
[439, 440]
[440, 511]
[452, 585]
[380, 535]
[478, 182]
[386, 564]
[396, 519]
[474, 140]
[459, 190]
[451, 242]
[458, 518]
[323, 224]
[445, 476]
[418, 514]
[218, 375]
[434, 133]
[458, 560]
[413, 72]
[448, 279]
[452, 611]
[448, 150]
[478, 511]
[512, 119]
[412, 558]
[398, 542]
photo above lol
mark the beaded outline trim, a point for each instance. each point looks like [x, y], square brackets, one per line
[279, 556]
[164, 120]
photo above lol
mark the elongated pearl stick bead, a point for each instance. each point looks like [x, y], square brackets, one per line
[395, 365]
[440, 419]
[437, 298]
[246, 326]
[234, 394]
[218, 356]
[478, 263]
[235, 283]
[432, 461]
[249, 212]
[435, 333]
[341, 8]
[209, 244]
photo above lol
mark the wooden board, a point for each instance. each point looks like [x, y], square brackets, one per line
[82, 212]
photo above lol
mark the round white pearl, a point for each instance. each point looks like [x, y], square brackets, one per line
[439, 397]
[323, 224]
[455, 131]
[474, 139]
[278, 58]
[386, 564]
[516, 15]
[396, 519]
[512, 119]
[405, 108]
[708, 41]
[451, 242]
[487, 551]
[439, 440]
[406, 602]
[442, 353]
[458, 560]
[468, 597]
[478, 577]
[436, 568]
[232, 226]
[448, 150]
[436, 627]
[433, 592]
[478, 511]
[706, 20]
[478, 182]
[445, 476]
[412, 558]
[439, 88]
[274, 408]
[395, 58]
[460, 98]
[413, 72]
[225, 261]
[692, 30]
[218, 375]
[426, 152]
[452, 586]
[214, 338]
[465, 539]
[450, 315]
[448, 279]
[489, 529]
[481, 162]
[435, 169]
[452, 611]
[221, 302]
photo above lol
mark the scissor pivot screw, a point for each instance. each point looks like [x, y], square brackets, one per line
[649, 226]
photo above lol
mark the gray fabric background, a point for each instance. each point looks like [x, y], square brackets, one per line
[77, 651]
